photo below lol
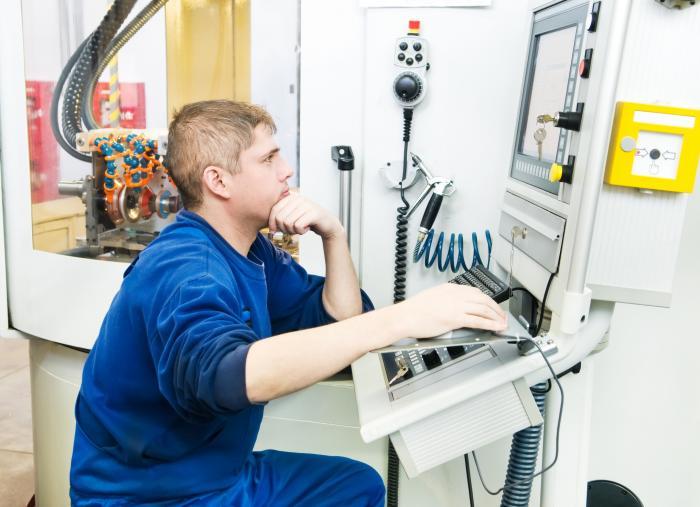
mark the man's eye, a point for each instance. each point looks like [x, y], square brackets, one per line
[269, 158]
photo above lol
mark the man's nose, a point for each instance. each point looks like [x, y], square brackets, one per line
[287, 171]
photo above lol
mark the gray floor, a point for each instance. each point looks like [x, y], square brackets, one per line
[16, 459]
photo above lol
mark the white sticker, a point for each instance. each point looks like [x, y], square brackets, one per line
[657, 155]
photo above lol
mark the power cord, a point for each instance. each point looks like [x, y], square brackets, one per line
[469, 480]
[544, 300]
[400, 265]
[556, 452]
[549, 388]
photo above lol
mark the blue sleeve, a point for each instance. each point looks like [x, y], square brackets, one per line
[294, 296]
[201, 365]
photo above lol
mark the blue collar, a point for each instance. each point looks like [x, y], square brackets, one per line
[250, 265]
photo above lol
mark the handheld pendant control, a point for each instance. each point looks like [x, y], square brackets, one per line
[411, 60]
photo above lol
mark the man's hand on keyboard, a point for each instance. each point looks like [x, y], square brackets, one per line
[446, 307]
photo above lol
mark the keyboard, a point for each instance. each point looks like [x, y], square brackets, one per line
[488, 283]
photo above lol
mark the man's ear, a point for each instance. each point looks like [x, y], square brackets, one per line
[216, 180]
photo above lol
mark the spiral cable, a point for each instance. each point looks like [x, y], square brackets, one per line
[400, 255]
[400, 270]
[454, 260]
[522, 454]
[114, 47]
[523, 458]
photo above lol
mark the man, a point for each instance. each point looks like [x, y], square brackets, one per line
[212, 321]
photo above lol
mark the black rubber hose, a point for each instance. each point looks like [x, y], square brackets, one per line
[400, 257]
[400, 269]
[401, 246]
[87, 64]
[114, 47]
[55, 99]
[392, 478]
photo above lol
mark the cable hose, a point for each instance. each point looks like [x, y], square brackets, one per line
[407, 118]
[400, 270]
[453, 261]
[55, 99]
[114, 47]
[400, 257]
[392, 479]
[86, 65]
[523, 458]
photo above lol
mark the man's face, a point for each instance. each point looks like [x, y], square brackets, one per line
[262, 178]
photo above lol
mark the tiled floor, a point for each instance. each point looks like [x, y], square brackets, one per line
[16, 460]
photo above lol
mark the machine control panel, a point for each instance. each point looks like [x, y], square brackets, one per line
[406, 371]
[409, 370]
[560, 63]
[411, 52]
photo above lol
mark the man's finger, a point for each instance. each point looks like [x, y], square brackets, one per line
[485, 311]
[304, 222]
[476, 322]
[281, 211]
[282, 203]
[476, 296]
[296, 214]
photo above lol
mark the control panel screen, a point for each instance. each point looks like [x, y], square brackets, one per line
[548, 90]
[550, 87]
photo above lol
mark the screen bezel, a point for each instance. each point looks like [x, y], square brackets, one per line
[526, 168]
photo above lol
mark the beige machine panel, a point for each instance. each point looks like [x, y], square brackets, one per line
[208, 51]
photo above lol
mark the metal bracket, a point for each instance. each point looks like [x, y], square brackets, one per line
[545, 342]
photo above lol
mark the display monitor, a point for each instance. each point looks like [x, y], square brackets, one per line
[549, 87]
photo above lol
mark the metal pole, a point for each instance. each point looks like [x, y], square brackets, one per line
[76, 188]
[345, 160]
[345, 196]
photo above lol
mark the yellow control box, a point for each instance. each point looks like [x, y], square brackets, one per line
[654, 147]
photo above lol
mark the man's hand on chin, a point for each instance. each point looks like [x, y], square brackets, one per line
[295, 214]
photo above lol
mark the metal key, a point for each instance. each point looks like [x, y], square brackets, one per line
[545, 118]
[540, 135]
[402, 371]
[399, 374]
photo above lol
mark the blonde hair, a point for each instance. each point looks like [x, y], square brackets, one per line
[209, 133]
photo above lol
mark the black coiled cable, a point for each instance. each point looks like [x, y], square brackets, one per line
[400, 254]
[400, 269]
[87, 65]
[392, 478]
[407, 118]
[401, 247]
